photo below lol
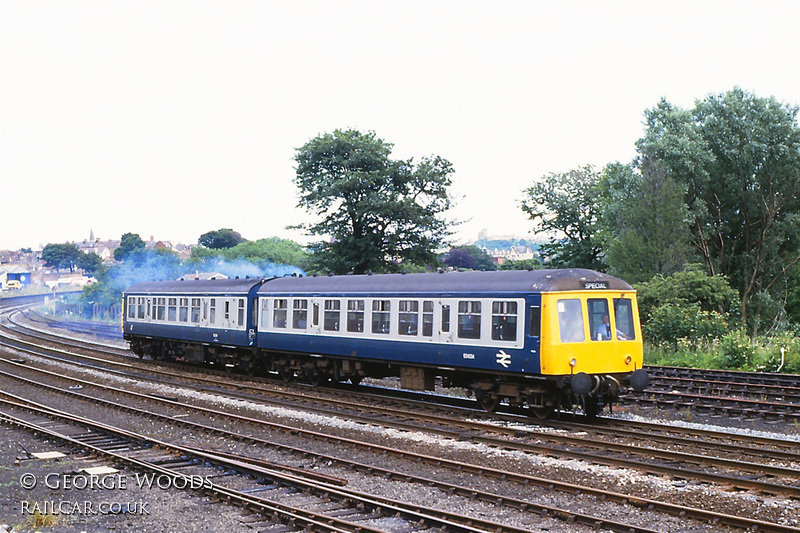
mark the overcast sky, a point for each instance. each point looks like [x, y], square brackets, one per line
[174, 118]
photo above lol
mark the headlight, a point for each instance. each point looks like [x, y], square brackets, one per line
[573, 362]
[628, 360]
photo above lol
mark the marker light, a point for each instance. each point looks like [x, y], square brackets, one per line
[573, 362]
[628, 360]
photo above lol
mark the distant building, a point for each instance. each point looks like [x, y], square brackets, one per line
[15, 273]
[515, 253]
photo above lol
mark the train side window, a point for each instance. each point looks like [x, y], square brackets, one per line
[623, 318]
[131, 307]
[599, 323]
[172, 309]
[445, 318]
[183, 310]
[227, 312]
[196, 310]
[240, 312]
[212, 311]
[331, 315]
[570, 320]
[254, 316]
[534, 321]
[264, 312]
[408, 316]
[280, 308]
[355, 316]
[315, 315]
[427, 318]
[299, 314]
[504, 321]
[469, 320]
[380, 316]
[160, 308]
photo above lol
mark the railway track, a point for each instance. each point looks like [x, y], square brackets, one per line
[420, 425]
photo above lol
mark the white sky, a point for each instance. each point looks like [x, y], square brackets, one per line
[174, 118]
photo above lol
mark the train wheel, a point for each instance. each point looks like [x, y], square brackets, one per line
[355, 380]
[542, 412]
[285, 374]
[313, 377]
[489, 402]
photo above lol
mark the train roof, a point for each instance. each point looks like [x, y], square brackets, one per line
[510, 281]
[192, 286]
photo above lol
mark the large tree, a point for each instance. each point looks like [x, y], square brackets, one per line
[374, 213]
[566, 206]
[644, 220]
[738, 156]
[130, 244]
[61, 256]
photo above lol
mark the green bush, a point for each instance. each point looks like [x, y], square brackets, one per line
[672, 324]
[736, 350]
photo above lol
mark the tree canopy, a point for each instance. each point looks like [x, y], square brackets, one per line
[566, 207]
[61, 256]
[375, 213]
[220, 239]
[129, 243]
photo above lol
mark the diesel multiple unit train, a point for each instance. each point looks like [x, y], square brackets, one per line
[544, 339]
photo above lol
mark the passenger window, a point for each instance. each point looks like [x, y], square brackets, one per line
[212, 311]
[183, 311]
[355, 316]
[623, 317]
[149, 310]
[264, 313]
[408, 317]
[241, 312]
[380, 316]
[161, 306]
[331, 315]
[279, 310]
[570, 320]
[469, 320]
[316, 314]
[504, 321]
[534, 321]
[172, 309]
[299, 314]
[427, 318]
[599, 321]
[196, 310]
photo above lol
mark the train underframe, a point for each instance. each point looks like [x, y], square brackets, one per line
[541, 395]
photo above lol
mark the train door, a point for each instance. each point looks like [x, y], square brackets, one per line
[316, 316]
[443, 321]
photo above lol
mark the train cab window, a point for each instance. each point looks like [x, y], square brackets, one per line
[469, 320]
[183, 310]
[445, 318]
[570, 320]
[408, 317]
[131, 307]
[196, 310]
[240, 312]
[172, 309]
[331, 315]
[355, 316]
[380, 316]
[623, 318]
[299, 314]
[504, 321]
[599, 323]
[534, 321]
[280, 307]
[427, 318]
